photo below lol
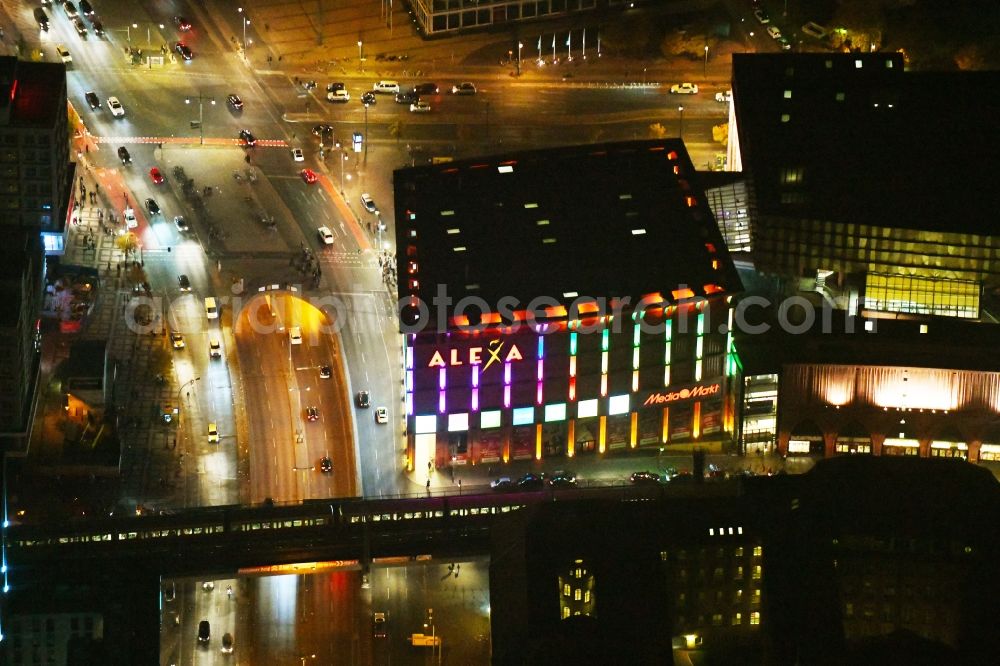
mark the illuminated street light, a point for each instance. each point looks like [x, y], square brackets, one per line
[201, 115]
[245, 21]
[680, 111]
[361, 59]
[706, 61]
[519, 47]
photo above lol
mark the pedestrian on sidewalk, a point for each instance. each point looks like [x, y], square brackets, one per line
[428, 485]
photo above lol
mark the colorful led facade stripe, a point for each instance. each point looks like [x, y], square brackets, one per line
[442, 385]
[605, 342]
[572, 363]
[699, 346]
[541, 370]
[506, 384]
[666, 351]
[636, 331]
[475, 388]
[408, 375]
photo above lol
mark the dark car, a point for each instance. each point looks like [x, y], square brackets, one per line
[364, 400]
[645, 478]
[81, 27]
[98, 28]
[227, 643]
[368, 99]
[325, 371]
[247, 137]
[320, 130]
[183, 50]
[530, 482]
[335, 86]
[312, 414]
[379, 621]
[92, 100]
[562, 479]
[152, 207]
[123, 155]
[406, 97]
[85, 8]
[503, 483]
[182, 23]
[183, 283]
[325, 465]
[426, 89]
[235, 102]
[204, 631]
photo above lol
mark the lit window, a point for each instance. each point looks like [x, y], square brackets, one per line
[717, 619]
[858, 64]
[447, 213]
[566, 589]
[757, 550]
[737, 619]
[531, 205]
[577, 594]
[840, 97]
[586, 597]
[739, 573]
[785, 117]
[586, 408]
[505, 168]
[490, 419]
[458, 422]
[542, 223]
[556, 412]
[788, 94]
[578, 573]
[425, 424]
[738, 552]
[888, 64]
[618, 404]
[756, 572]
[755, 617]
[452, 232]
[565, 612]
[739, 595]
[923, 328]
[524, 415]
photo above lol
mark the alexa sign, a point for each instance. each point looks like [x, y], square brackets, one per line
[659, 398]
[494, 349]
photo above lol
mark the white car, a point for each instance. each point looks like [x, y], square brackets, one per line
[773, 32]
[464, 88]
[130, 221]
[381, 415]
[214, 348]
[64, 54]
[117, 110]
[295, 335]
[724, 96]
[338, 96]
[368, 203]
[325, 235]
[420, 107]
[684, 88]
[297, 155]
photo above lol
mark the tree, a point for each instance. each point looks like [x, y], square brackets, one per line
[720, 133]
[657, 131]
[127, 243]
[687, 43]
[395, 130]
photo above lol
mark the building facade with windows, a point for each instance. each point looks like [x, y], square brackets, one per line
[450, 17]
[563, 302]
[861, 196]
[21, 274]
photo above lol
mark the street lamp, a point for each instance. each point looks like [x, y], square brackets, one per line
[706, 62]
[519, 47]
[366, 130]
[201, 115]
[245, 21]
[361, 59]
[680, 111]
[342, 155]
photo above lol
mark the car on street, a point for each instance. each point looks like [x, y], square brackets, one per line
[684, 88]
[325, 371]
[309, 176]
[407, 97]
[761, 16]
[156, 176]
[464, 88]
[81, 27]
[335, 86]
[562, 479]
[773, 32]
[227, 643]
[124, 156]
[784, 43]
[297, 155]
[426, 89]
[381, 415]
[208, 586]
[129, 216]
[530, 482]
[325, 465]
[420, 107]
[295, 335]
[379, 622]
[213, 433]
[235, 102]
[338, 96]
[645, 478]
[724, 96]
[368, 203]
[204, 631]
[183, 50]
[368, 99]
[312, 414]
[814, 30]
[182, 23]
[98, 27]
[183, 283]
[364, 399]
[85, 8]
[92, 101]
[385, 87]
[502, 483]
[64, 54]
[325, 235]
[214, 348]
[247, 138]
[152, 206]
[117, 110]
[70, 10]
[320, 130]
[181, 223]
[176, 340]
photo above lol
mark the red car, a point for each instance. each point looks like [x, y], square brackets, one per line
[309, 176]
[182, 23]
[156, 176]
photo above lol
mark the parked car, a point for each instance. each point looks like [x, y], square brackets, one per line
[156, 176]
[92, 101]
[235, 102]
[335, 86]
[530, 482]
[562, 479]
[386, 87]
[503, 483]
[368, 203]
[123, 155]
[420, 107]
[773, 32]
[98, 27]
[176, 340]
[379, 622]
[724, 96]
[645, 478]
[407, 97]
[761, 16]
[85, 8]
[214, 348]
[80, 26]
[325, 371]
[183, 50]
[227, 643]
[814, 30]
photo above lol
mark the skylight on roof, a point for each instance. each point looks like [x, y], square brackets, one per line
[460, 248]
[638, 232]
[548, 241]
[446, 213]
[624, 196]
[531, 205]
[472, 287]
[542, 223]
[570, 294]
[505, 168]
[453, 231]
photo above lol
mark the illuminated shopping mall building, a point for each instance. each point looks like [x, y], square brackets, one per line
[589, 309]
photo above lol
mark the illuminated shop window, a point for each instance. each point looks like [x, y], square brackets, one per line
[490, 419]
[618, 404]
[425, 424]
[556, 412]
[524, 415]
[458, 422]
[586, 408]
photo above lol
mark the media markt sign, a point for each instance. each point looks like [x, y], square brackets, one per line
[692, 393]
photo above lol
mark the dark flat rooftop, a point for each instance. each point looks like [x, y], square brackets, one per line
[32, 91]
[827, 139]
[609, 220]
